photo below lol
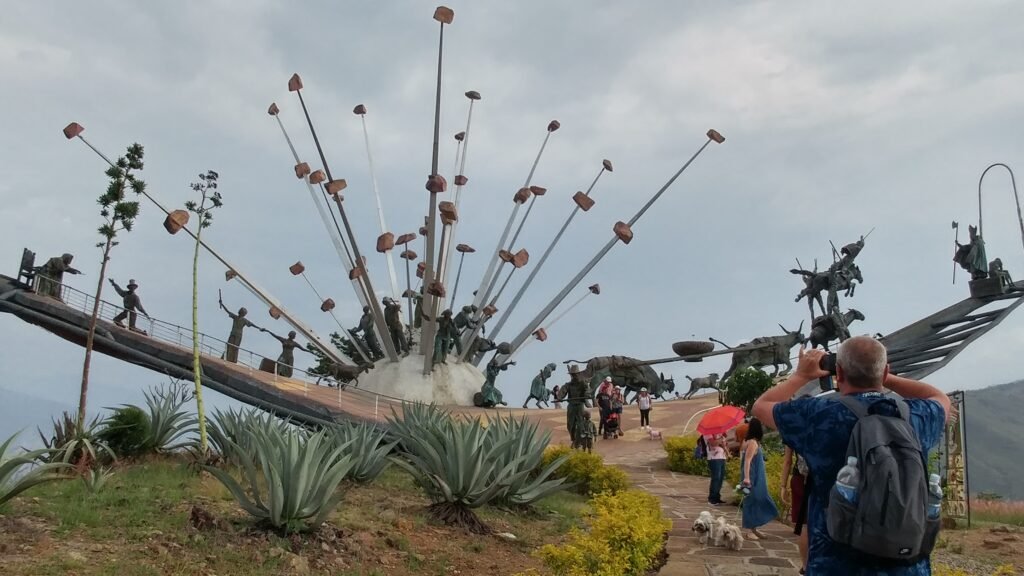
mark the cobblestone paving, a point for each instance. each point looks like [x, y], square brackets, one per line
[683, 497]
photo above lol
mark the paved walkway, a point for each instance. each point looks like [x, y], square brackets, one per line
[683, 497]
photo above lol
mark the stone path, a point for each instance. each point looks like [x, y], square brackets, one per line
[683, 497]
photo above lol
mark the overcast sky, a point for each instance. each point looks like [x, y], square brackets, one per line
[838, 118]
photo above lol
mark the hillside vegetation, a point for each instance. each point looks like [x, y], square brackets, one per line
[995, 440]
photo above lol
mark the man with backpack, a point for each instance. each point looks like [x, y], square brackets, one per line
[875, 519]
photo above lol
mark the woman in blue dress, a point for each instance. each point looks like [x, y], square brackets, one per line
[758, 507]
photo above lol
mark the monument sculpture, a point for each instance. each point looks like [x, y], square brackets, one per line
[51, 274]
[628, 372]
[832, 326]
[286, 361]
[709, 382]
[538, 387]
[365, 328]
[489, 396]
[765, 351]
[239, 322]
[132, 303]
[971, 256]
[577, 394]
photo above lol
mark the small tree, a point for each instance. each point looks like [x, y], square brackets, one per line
[323, 363]
[118, 215]
[207, 190]
[744, 387]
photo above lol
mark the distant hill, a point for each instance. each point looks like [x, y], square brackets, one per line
[995, 440]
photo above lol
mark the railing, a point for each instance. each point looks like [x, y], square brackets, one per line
[208, 345]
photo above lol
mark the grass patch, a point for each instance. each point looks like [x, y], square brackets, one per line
[138, 525]
[999, 511]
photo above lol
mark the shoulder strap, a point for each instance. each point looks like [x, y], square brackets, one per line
[853, 405]
[860, 410]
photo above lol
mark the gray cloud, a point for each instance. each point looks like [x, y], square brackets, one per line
[838, 119]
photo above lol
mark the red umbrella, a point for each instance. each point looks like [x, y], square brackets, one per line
[720, 420]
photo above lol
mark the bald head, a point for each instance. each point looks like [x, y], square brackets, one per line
[862, 362]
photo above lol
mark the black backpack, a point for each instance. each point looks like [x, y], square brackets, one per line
[889, 523]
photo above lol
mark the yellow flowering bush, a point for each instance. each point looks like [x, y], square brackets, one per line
[940, 569]
[626, 533]
[586, 471]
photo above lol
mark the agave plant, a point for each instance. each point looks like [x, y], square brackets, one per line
[96, 478]
[168, 422]
[71, 444]
[417, 419]
[227, 431]
[457, 467]
[291, 482]
[521, 458]
[369, 449]
[14, 480]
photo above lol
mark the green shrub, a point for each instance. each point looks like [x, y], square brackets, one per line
[680, 456]
[586, 471]
[21, 472]
[292, 479]
[126, 431]
[226, 431]
[744, 387]
[625, 536]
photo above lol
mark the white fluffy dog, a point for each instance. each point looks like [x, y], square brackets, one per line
[655, 434]
[705, 526]
[729, 533]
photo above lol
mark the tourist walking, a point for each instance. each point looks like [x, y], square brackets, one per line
[717, 454]
[618, 401]
[131, 303]
[604, 402]
[758, 506]
[796, 478]
[643, 400]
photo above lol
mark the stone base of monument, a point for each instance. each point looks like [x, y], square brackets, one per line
[451, 383]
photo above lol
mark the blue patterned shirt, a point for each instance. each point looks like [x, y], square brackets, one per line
[819, 429]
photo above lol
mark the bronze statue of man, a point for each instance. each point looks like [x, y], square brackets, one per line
[464, 319]
[131, 303]
[577, 392]
[538, 387]
[239, 322]
[366, 327]
[51, 275]
[491, 395]
[286, 361]
[971, 256]
[393, 319]
[447, 336]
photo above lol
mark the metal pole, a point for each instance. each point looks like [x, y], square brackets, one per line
[380, 210]
[458, 275]
[481, 294]
[364, 278]
[336, 238]
[261, 294]
[533, 273]
[1016, 198]
[351, 336]
[460, 167]
[429, 323]
[546, 311]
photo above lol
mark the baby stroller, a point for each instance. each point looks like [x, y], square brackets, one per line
[611, 426]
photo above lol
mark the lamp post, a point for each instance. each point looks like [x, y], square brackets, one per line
[1016, 198]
